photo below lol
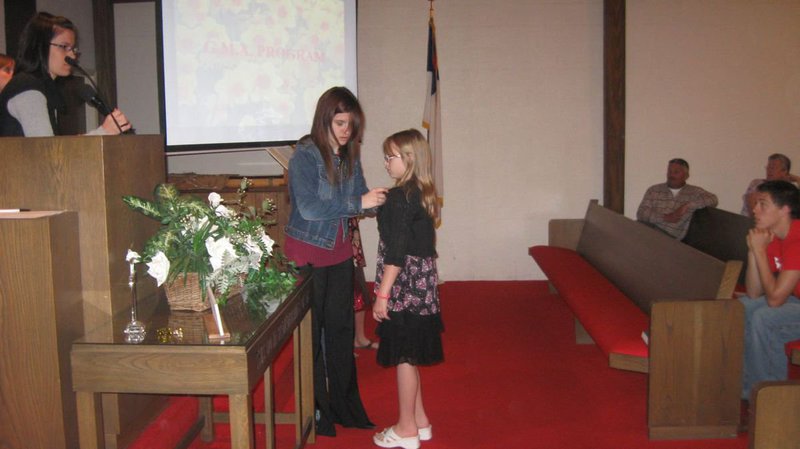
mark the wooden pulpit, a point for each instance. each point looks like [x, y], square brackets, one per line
[89, 175]
[40, 292]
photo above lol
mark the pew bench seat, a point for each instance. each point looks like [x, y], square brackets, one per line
[612, 320]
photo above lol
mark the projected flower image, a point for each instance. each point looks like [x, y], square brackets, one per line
[246, 65]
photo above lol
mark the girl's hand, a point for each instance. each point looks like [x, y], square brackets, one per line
[380, 310]
[374, 198]
[110, 127]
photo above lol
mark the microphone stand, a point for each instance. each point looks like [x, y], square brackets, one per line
[74, 63]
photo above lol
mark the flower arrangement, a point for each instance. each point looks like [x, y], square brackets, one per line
[225, 246]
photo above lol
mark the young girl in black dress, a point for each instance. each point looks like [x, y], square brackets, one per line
[407, 299]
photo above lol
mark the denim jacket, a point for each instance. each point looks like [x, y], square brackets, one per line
[319, 208]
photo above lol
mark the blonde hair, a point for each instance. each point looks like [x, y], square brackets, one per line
[416, 155]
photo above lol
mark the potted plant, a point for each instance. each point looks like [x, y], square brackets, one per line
[211, 249]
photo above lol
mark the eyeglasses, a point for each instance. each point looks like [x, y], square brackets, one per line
[67, 48]
[388, 158]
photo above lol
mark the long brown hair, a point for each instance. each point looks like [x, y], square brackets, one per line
[416, 155]
[34, 48]
[337, 100]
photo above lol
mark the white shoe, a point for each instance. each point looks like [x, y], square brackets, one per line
[425, 433]
[388, 438]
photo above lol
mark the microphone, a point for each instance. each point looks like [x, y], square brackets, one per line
[90, 94]
[73, 62]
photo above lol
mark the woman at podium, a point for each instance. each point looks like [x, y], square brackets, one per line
[31, 102]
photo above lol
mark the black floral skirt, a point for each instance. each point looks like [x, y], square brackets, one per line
[412, 334]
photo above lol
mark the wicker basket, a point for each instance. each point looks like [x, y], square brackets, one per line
[185, 294]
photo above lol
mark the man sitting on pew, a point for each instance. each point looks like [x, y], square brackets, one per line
[772, 307]
[669, 206]
[778, 168]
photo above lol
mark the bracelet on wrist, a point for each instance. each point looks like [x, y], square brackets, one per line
[380, 296]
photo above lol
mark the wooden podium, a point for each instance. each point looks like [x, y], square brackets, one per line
[89, 175]
[40, 292]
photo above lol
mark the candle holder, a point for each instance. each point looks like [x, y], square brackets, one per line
[134, 331]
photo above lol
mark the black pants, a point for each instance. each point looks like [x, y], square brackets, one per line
[335, 385]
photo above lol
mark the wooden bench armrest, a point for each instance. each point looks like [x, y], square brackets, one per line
[729, 279]
[796, 356]
[696, 352]
[775, 412]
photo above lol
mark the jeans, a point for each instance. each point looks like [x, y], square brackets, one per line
[766, 332]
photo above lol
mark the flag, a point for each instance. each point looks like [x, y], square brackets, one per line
[432, 117]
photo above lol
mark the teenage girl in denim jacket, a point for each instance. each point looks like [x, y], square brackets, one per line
[326, 187]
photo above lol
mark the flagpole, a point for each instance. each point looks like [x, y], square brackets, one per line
[431, 118]
[440, 195]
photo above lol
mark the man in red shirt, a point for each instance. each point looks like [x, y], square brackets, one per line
[772, 307]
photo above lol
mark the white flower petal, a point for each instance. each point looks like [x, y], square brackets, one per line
[214, 199]
[217, 250]
[158, 267]
[268, 242]
[222, 211]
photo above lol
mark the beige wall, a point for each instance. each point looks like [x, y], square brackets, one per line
[137, 85]
[521, 111]
[716, 82]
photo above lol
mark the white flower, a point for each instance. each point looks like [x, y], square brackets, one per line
[223, 211]
[132, 257]
[195, 224]
[252, 247]
[268, 242]
[217, 249]
[214, 199]
[254, 252]
[270, 306]
[158, 267]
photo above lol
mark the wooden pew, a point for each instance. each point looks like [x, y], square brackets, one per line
[696, 328]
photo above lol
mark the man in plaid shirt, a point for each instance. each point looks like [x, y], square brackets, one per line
[669, 206]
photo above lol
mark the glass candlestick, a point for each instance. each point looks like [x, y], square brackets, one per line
[134, 331]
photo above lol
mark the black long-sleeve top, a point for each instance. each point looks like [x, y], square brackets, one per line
[405, 227]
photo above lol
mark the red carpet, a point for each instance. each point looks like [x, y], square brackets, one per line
[512, 378]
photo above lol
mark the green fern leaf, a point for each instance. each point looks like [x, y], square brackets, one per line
[145, 207]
